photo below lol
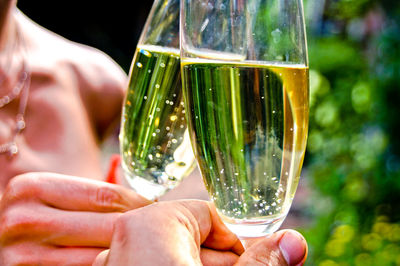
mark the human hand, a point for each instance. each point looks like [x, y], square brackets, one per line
[191, 233]
[52, 219]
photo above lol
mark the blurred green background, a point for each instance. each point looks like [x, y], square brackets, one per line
[353, 162]
[349, 196]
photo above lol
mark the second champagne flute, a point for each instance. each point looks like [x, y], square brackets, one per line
[154, 143]
[245, 82]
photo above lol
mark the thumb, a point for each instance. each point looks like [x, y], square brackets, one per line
[101, 259]
[285, 247]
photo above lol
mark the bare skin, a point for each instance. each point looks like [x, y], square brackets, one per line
[52, 219]
[75, 96]
[191, 233]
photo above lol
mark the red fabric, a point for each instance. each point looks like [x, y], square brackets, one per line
[115, 161]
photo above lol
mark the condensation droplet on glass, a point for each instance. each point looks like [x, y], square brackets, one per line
[236, 174]
[139, 65]
[157, 130]
[157, 86]
[265, 173]
[222, 170]
[174, 95]
[162, 65]
[149, 71]
[167, 128]
[197, 117]
[182, 126]
[154, 134]
[174, 141]
[158, 109]
[150, 157]
[262, 97]
[145, 97]
[273, 111]
[167, 101]
[158, 155]
[171, 103]
[286, 173]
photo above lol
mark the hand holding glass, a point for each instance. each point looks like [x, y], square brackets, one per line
[245, 83]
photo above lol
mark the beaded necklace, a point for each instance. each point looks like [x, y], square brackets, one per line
[20, 89]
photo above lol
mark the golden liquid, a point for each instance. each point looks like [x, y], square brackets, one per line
[248, 124]
[153, 141]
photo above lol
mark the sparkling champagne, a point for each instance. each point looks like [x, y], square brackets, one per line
[249, 122]
[154, 141]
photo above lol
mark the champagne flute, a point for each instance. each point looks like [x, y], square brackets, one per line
[246, 89]
[154, 143]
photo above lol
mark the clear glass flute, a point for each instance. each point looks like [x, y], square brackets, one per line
[154, 143]
[246, 90]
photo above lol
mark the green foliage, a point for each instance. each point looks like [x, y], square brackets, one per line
[353, 157]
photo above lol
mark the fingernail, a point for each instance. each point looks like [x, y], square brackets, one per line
[293, 248]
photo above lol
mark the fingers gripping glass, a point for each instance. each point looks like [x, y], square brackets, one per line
[154, 142]
[245, 83]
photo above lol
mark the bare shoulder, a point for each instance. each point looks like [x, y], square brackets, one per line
[98, 79]
[93, 65]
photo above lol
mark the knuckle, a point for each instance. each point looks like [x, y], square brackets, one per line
[121, 227]
[105, 197]
[21, 186]
[12, 221]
